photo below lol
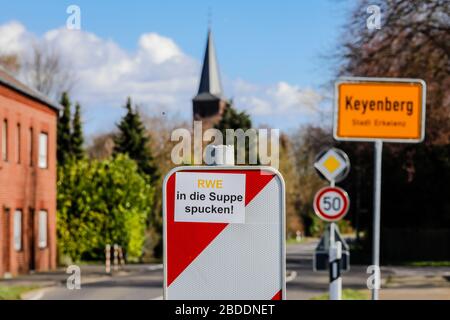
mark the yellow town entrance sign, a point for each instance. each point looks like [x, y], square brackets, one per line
[369, 109]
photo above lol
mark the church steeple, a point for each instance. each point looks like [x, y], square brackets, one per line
[209, 103]
[210, 81]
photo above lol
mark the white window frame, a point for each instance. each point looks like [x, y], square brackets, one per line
[31, 146]
[17, 225]
[18, 143]
[5, 140]
[43, 229]
[43, 150]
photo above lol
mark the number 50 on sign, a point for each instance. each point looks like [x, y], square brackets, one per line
[331, 204]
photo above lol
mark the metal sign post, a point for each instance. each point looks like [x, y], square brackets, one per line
[321, 258]
[331, 204]
[376, 216]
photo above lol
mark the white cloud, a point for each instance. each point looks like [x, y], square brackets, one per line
[13, 36]
[158, 49]
[294, 99]
[255, 105]
[278, 99]
[157, 74]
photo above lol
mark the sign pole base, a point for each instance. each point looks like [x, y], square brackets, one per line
[335, 254]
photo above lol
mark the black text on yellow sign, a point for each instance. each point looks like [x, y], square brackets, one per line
[368, 109]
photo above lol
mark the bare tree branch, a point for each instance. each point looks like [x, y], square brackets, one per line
[47, 72]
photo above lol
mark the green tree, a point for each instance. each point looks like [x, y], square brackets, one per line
[77, 139]
[99, 203]
[64, 131]
[232, 119]
[289, 171]
[133, 141]
[307, 142]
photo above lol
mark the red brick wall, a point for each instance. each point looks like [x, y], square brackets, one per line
[27, 187]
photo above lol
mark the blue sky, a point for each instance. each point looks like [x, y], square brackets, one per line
[260, 42]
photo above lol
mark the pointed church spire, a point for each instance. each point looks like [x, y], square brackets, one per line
[209, 104]
[210, 79]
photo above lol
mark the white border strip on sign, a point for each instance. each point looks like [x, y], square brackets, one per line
[240, 168]
[363, 79]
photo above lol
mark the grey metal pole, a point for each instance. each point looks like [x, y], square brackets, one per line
[376, 217]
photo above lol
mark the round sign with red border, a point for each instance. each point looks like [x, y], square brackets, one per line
[331, 203]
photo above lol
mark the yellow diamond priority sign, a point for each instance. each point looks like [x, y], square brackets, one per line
[333, 164]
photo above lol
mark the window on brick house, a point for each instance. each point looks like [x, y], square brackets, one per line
[18, 143]
[43, 147]
[43, 229]
[30, 147]
[18, 230]
[5, 140]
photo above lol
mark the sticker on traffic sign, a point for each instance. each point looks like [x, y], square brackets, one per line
[333, 165]
[209, 197]
[331, 203]
[369, 109]
[230, 243]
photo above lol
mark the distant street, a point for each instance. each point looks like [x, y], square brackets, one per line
[309, 284]
[140, 282]
[144, 282]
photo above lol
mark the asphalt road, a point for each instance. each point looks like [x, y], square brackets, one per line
[141, 282]
[307, 283]
[144, 282]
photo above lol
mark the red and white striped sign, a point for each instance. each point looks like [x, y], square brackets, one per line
[217, 260]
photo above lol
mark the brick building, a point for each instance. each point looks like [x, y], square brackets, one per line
[27, 179]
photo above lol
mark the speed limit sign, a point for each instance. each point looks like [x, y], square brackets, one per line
[331, 203]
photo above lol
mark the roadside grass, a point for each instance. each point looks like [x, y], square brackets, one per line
[88, 263]
[294, 241]
[428, 264]
[347, 294]
[14, 292]
[151, 260]
[102, 262]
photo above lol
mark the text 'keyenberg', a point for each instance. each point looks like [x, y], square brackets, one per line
[379, 105]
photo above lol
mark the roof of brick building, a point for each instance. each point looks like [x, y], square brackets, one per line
[11, 82]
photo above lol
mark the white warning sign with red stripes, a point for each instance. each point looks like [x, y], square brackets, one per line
[224, 233]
